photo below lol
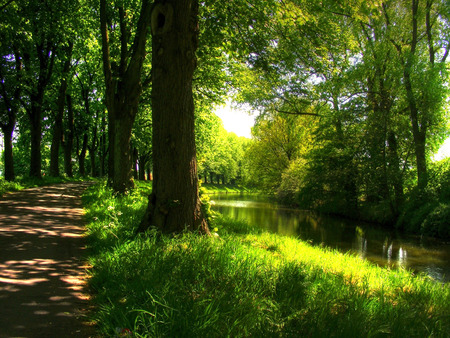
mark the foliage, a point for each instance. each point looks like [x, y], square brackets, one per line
[220, 153]
[6, 186]
[245, 282]
[428, 212]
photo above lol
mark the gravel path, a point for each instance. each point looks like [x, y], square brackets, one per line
[42, 274]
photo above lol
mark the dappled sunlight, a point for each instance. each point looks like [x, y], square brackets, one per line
[42, 276]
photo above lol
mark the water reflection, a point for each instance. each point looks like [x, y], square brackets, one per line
[379, 245]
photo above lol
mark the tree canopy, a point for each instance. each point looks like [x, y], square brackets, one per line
[352, 96]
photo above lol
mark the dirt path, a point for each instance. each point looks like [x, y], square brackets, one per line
[41, 269]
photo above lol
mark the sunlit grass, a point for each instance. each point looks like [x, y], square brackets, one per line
[245, 282]
[6, 186]
[226, 188]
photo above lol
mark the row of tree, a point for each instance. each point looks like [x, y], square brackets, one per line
[368, 79]
[353, 121]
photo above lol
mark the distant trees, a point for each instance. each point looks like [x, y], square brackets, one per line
[351, 95]
[375, 76]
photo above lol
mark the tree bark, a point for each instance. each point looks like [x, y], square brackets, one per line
[58, 126]
[82, 156]
[395, 173]
[8, 152]
[103, 147]
[11, 115]
[46, 58]
[174, 204]
[68, 143]
[36, 135]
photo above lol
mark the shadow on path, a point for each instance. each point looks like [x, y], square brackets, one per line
[42, 275]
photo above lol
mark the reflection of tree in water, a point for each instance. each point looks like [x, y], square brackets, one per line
[361, 242]
[401, 259]
[375, 244]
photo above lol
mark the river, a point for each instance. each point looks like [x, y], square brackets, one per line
[382, 246]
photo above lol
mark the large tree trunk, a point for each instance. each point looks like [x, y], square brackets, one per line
[8, 152]
[174, 204]
[123, 175]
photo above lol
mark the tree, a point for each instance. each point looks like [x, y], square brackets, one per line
[58, 124]
[10, 76]
[419, 32]
[122, 69]
[174, 204]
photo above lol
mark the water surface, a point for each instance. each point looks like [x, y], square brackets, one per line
[382, 246]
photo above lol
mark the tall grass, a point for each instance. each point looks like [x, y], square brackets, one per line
[245, 282]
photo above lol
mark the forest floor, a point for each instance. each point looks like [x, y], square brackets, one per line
[42, 271]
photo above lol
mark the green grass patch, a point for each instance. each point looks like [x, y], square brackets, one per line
[244, 282]
[212, 188]
[6, 186]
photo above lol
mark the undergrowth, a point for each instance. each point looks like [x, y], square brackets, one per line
[243, 281]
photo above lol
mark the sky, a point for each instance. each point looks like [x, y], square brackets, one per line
[444, 151]
[240, 122]
[236, 120]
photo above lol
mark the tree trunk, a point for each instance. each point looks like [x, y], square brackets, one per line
[419, 133]
[68, 143]
[111, 130]
[82, 156]
[122, 174]
[135, 164]
[36, 135]
[46, 58]
[58, 127]
[92, 158]
[142, 166]
[103, 147]
[8, 152]
[93, 151]
[174, 204]
[395, 173]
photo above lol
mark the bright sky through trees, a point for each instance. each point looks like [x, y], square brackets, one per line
[236, 120]
[444, 151]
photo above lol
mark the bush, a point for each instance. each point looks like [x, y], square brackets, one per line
[437, 222]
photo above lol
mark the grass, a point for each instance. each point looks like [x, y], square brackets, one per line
[244, 282]
[212, 188]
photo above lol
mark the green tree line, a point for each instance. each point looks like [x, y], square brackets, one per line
[352, 97]
[354, 113]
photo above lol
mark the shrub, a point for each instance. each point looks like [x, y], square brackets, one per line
[437, 222]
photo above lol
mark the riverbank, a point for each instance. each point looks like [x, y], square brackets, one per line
[212, 188]
[244, 282]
